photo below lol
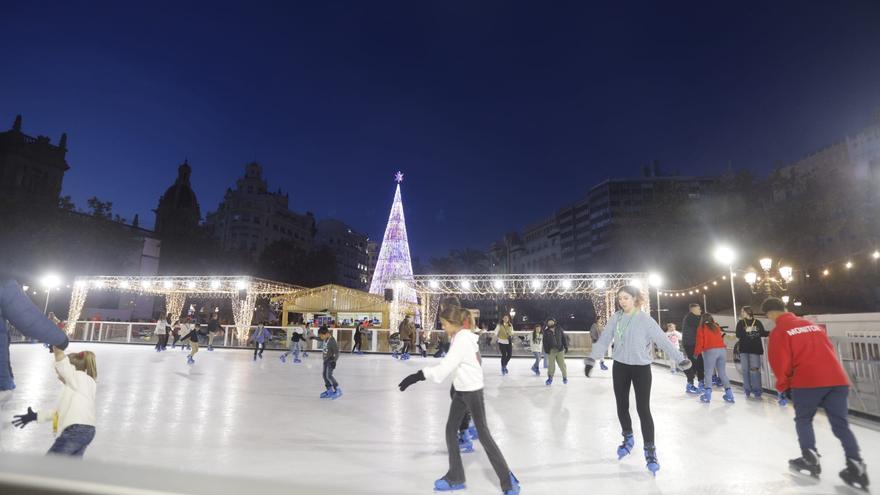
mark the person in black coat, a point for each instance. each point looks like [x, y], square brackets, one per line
[750, 331]
[555, 346]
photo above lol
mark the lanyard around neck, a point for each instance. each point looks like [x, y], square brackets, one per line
[620, 332]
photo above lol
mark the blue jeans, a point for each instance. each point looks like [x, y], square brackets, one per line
[834, 401]
[329, 381]
[750, 365]
[73, 440]
[716, 359]
[293, 349]
[537, 360]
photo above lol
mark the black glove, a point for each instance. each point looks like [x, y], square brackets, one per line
[589, 363]
[786, 394]
[63, 345]
[411, 379]
[20, 420]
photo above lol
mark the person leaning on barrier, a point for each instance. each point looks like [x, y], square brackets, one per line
[17, 308]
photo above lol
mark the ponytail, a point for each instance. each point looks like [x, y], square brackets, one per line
[451, 311]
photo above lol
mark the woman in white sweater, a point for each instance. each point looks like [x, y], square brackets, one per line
[75, 414]
[464, 363]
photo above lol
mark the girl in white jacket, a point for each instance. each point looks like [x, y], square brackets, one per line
[75, 413]
[464, 363]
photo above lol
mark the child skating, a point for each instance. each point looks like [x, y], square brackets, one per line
[259, 337]
[536, 345]
[75, 414]
[192, 337]
[297, 338]
[464, 363]
[331, 355]
[674, 337]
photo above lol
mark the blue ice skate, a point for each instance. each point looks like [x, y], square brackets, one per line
[514, 486]
[651, 459]
[728, 395]
[626, 446]
[465, 444]
[442, 485]
[707, 396]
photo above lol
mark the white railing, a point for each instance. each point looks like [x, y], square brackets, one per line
[375, 340]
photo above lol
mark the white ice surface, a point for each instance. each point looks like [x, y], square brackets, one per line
[228, 414]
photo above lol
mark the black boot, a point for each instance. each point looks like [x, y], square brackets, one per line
[807, 464]
[855, 474]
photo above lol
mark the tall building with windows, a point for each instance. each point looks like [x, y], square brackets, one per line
[31, 168]
[351, 251]
[583, 235]
[251, 217]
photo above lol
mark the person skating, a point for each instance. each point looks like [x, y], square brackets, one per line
[163, 326]
[331, 355]
[710, 346]
[75, 413]
[465, 364]
[308, 337]
[536, 345]
[213, 330]
[259, 337]
[633, 331]
[689, 325]
[674, 337]
[192, 337]
[596, 330]
[406, 331]
[356, 338]
[750, 331]
[297, 339]
[504, 334]
[806, 368]
[555, 346]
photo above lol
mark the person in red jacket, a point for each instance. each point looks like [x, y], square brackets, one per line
[710, 344]
[806, 368]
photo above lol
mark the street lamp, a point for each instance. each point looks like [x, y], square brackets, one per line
[726, 256]
[655, 281]
[50, 281]
[768, 284]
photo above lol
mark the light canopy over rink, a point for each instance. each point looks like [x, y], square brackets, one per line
[232, 416]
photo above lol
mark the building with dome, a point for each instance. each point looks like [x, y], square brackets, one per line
[178, 213]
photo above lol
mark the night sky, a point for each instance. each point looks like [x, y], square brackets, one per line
[497, 112]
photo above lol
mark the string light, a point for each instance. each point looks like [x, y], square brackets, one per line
[175, 289]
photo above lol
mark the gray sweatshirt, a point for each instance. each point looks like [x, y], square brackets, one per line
[633, 336]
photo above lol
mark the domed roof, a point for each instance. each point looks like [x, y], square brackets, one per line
[180, 195]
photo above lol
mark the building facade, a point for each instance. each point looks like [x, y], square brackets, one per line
[585, 234]
[251, 217]
[31, 168]
[351, 251]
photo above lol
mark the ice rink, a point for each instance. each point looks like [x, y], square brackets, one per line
[228, 414]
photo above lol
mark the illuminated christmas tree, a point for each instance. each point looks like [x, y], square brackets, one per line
[394, 263]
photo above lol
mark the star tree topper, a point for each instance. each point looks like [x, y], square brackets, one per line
[398, 177]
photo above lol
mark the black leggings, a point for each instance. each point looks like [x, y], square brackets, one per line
[356, 346]
[697, 369]
[405, 347]
[639, 377]
[506, 353]
[466, 420]
[259, 347]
